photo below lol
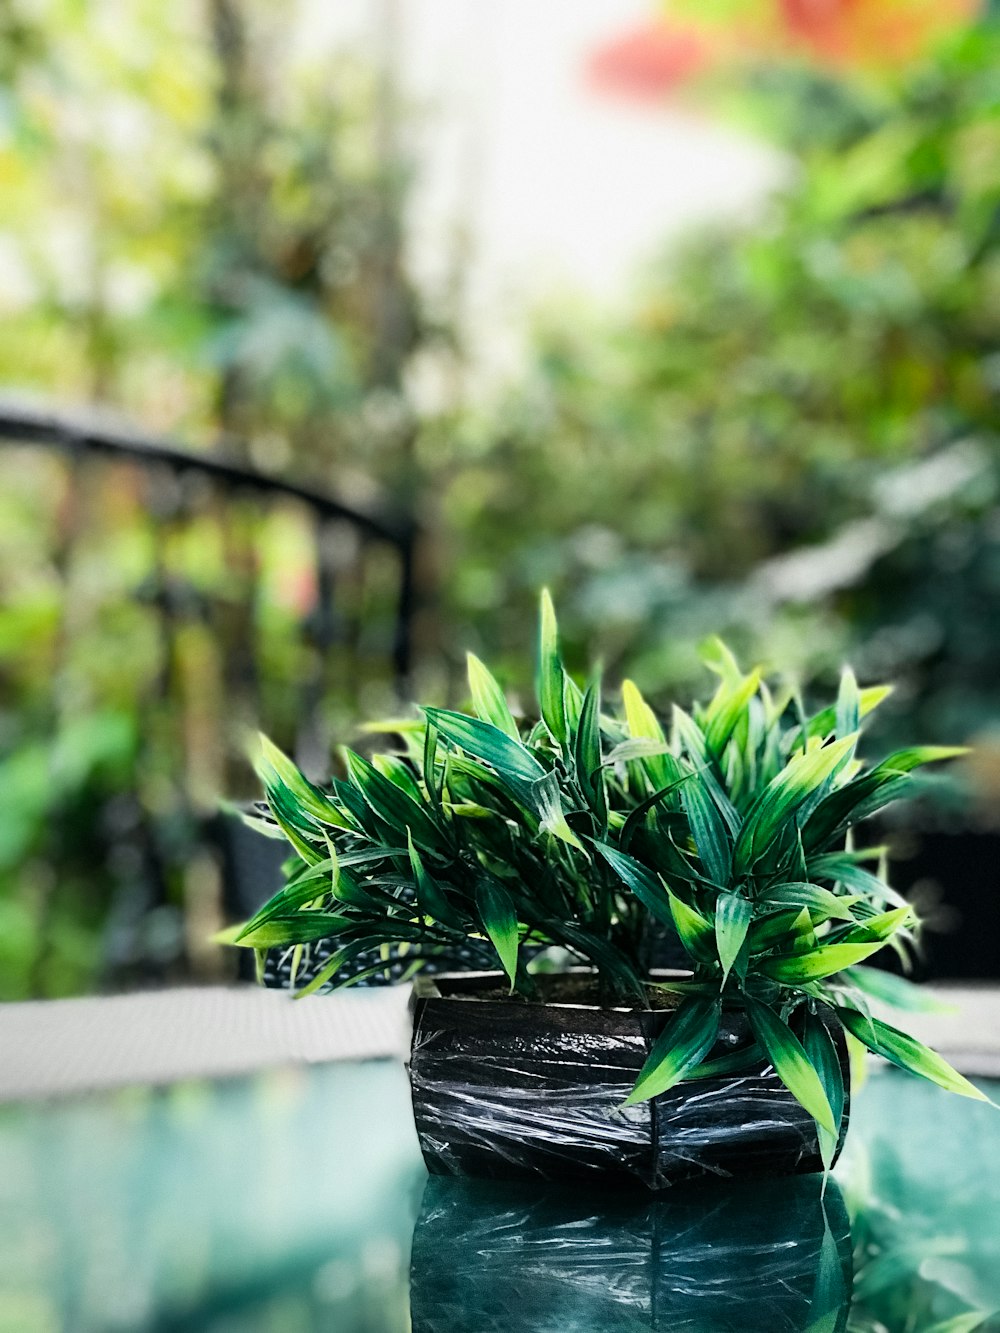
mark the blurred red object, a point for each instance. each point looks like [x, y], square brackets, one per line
[647, 62]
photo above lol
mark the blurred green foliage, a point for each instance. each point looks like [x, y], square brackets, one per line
[792, 438]
[775, 384]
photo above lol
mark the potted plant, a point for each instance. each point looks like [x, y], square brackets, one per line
[488, 839]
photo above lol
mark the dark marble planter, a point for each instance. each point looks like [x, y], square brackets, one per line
[725, 1256]
[507, 1089]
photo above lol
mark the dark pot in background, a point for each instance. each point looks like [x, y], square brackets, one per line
[733, 1257]
[513, 1090]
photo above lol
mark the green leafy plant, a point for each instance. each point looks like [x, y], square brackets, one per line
[587, 830]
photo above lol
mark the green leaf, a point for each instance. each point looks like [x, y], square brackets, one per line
[822, 901]
[725, 710]
[906, 1052]
[904, 761]
[546, 799]
[791, 1064]
[643, 724]
[822, 1055]
[399, 772]
[683, 1044]
[718, 657]
[297, 928]
[708, 828]
[484, 741]
[431, 900]
[637, 816]
[551, 697]
[274, 767]
[790, 929]
[733, 914]
[391, 803]
[587, 753]
[790, 969]
[848, 705]
[879, 927]
[488, 698]
[783, 796]
[499, 918]
[825, 722]
[646, 886]
[849, 804]
[696, 933]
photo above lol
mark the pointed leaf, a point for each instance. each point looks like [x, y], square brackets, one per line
[391, 803]
[733, 914]
[688, 1037]
[819, 900]
[790, 969]
[711, 837]
[644, 884]
[822, 1054]
[484, 741]
[791, 1064]
[908, 1053]
[783, 796]
[488, 698]
[499, 918]
[551, 696]
[587, 753]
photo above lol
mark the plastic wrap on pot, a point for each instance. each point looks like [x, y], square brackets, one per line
[772, 1256]
[507, 1089]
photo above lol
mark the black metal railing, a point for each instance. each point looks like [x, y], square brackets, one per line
[155, 605]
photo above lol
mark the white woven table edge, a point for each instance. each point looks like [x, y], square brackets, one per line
[55, 1048]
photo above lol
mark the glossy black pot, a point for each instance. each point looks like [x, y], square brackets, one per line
[509, 1089]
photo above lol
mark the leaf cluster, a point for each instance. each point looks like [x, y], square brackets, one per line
[730, 827]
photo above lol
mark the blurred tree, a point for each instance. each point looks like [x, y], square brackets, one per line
[771, 381]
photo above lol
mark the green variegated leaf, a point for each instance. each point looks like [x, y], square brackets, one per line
[499, 918]
[275, 768]
[644, 884]
[791, 1064]
[550, 686]
[708, 828]
[587, 753]
[637, 816]
[643, 725]
[822, 903]
[488, 698]
[430, 896]
[822, 1055]
[904, 761]
[398, 771]
[488, 743]
[545, 795]
[685, 1041]
[697, 934]
[908, 1053]
[392, 804]
[825, 722]
[790, 969]
[725, 710]
[848, 705]
[733, 914]
[783, 796]
[297, 928]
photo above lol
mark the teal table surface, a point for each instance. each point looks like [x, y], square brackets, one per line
[297, 1200]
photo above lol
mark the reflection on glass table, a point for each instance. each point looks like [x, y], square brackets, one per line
[291, 1202]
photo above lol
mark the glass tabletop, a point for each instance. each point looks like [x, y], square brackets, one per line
[298, 1201]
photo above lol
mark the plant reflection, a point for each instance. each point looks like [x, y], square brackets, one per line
[758, 1255]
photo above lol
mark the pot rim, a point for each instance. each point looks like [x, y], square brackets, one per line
[462, 987]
